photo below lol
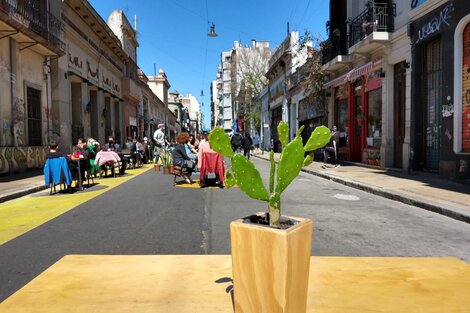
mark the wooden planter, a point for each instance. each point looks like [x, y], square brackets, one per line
[166, 170]
[157, 167]
[270, 267]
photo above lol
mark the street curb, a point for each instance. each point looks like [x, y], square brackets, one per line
[21, 193]
[453, 213]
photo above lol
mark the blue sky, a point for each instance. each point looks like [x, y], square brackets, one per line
[173, 33]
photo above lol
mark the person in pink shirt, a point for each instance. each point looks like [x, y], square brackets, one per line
[204, 146]
[105, 156]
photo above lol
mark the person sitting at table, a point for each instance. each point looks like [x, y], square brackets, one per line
[80, 154]
[113, 145]
[57, 171]
[107, 158]
[180, 158]
[93, 148]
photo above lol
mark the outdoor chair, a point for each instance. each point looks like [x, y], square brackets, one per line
[57, 172]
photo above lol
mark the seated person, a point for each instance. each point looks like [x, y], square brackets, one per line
[112, 145]
[180, 158]
[105, 157]
[190, 151]
[81, 151]
[93, 147]
[54, 153]
[136, 154]
[330, 152]
[204, 146]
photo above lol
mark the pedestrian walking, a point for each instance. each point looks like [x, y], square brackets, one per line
[256, 142]
[247, 144]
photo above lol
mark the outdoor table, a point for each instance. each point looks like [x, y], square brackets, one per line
[80, 178]
[201, 283]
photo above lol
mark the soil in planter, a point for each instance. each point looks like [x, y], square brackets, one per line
[263, 220]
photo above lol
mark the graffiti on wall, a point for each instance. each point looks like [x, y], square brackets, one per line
[14, 159]
[434, 25]
[448, 109]
[448, 134]
[463, 166]
[18, 122]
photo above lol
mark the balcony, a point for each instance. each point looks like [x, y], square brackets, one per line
[371, 28]
[39, 25]
[333, 59]
[130, 90]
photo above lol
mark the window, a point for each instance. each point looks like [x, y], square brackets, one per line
[374, 116]
[34, 116]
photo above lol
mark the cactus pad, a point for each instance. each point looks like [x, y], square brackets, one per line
[318, 139]
[220, 142]
[229, 180]
[308, 160]
[283, 132]
[290, 164]
[248, 178]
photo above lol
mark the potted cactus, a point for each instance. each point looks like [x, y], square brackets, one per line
[270, 252]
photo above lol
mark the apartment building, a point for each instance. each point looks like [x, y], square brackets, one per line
[366, 58]
[397, 85]
[32, 34]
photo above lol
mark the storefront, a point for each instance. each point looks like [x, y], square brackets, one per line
[440, 111]
[310, 116]
[358, 113]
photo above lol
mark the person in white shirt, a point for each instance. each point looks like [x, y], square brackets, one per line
[160, 142]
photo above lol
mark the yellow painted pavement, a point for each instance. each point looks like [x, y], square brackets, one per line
[23, 214]
[195, 283]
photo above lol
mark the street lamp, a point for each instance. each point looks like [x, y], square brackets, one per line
[212, 32]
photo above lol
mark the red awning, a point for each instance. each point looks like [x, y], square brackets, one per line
[353, 74]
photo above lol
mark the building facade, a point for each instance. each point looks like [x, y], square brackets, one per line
[87, 86]
[283, 96]
[32, 35]
[131, 89]
[367, 93]
[440, 88]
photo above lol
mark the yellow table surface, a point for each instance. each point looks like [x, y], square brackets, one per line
[187, 283]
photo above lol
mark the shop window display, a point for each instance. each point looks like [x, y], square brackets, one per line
[374, 128]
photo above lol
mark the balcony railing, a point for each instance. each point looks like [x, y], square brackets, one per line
[328, 51]
[41, 22]
[377, 17]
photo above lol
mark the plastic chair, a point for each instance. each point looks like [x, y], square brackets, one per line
[57, 171]
[212, 165]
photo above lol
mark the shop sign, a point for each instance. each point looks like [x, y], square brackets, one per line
[434, 24]
[373, 80]
[132, 121]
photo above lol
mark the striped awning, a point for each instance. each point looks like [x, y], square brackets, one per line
[353, 74]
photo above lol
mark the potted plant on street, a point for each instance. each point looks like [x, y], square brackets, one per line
[166, 160]
[270, 252]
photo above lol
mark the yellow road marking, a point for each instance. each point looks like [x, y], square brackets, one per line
[24, 214]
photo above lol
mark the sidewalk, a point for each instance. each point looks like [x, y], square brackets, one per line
[18, 185]
[427, 192]
[420, 190]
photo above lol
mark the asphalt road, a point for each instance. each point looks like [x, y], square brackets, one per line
[147, 215]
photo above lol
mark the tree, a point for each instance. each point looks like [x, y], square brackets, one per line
[312, 76]
[252, 65]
